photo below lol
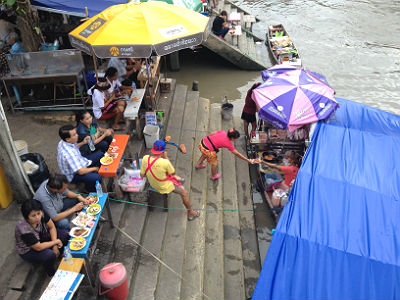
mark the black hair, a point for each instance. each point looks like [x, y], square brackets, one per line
[110, 72]
[233, 134]
[63, 132]
[295, 157]
[30, 205]
[126, 82]
[56, 181]
[255, 85]
[223, 13]
[100, 88]
[79, 115]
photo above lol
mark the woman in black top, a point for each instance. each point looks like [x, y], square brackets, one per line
[220, 25]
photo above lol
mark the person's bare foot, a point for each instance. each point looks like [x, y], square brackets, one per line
[193, 215]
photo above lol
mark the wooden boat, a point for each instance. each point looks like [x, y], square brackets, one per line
[281, 46]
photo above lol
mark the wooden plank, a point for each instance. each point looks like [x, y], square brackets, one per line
[169, 285]
[214, 244]
[233, 257]
[251, 255]
[193, 263]
[76, 266]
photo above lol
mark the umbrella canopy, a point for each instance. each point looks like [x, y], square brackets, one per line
[195, 5]
[291, 98]
[139, 29]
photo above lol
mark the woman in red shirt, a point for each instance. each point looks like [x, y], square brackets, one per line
[290, 172]
[249, 111]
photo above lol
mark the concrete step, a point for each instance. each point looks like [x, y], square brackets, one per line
[233, 256]
[169, 284]
[214, 243]
[251, 255]
[144, 283]
[193, 263]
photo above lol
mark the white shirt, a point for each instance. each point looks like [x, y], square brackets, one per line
[114, 85]
[98, 99]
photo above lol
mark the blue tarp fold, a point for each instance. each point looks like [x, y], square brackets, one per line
[339, 236]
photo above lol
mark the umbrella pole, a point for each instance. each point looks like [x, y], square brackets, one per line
[153, 106]
[95, 64]
[166, 68]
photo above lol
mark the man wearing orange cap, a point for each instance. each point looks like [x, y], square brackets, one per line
[161, 175]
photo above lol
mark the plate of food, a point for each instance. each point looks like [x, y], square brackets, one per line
[79, 232]
[93, 209]
[92, 199]
[134, 98]
[106, 160]
[113, 155]
[82, 219]
[77, 243]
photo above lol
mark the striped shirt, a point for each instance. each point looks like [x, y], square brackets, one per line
[70, 160]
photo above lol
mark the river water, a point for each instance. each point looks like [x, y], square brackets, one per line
[354, 43]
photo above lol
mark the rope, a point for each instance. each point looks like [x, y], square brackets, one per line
[155, 257]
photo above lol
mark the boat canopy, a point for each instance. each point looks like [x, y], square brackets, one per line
[338, 236]
[75, 7]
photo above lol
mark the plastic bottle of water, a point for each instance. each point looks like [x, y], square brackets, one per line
[99, 191]
[68, 256]
[91, 144]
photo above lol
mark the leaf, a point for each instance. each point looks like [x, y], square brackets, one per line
[10, 3]
[37, 29]
[20, 11]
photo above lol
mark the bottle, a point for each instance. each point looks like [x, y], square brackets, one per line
[99, 191]
[68, 256]
[91, 144]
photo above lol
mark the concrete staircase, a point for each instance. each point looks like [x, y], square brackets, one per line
[213, 257]
[246, 51]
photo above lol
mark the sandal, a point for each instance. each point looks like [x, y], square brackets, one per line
[200, 167]
[191, 218]
[216, 176]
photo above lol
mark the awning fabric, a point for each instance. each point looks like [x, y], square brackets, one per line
[339, 236]
[75, 7]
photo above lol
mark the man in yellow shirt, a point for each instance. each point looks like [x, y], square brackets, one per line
[160, 174]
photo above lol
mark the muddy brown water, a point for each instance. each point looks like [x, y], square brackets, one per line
[355, 44]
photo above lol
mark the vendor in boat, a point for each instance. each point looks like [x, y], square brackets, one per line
[220, 26]
[290, 171]
[210, 145]
[87, 126]
[36, 237]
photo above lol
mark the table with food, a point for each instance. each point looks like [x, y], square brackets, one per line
[85, 225]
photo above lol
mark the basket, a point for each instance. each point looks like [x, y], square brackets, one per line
[130, 181]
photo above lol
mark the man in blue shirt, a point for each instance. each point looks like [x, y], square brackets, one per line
[58, 202]
[16, 44]
[71, 162]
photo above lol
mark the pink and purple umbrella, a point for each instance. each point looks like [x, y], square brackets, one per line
[290, 98]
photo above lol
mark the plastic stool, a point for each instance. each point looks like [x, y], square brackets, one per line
[150, 200]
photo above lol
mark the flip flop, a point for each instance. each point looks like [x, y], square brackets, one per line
[216, 176]
[200, 167]
[191, 218]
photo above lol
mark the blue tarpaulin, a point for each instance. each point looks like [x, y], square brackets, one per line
[75, 7]
[339, 236]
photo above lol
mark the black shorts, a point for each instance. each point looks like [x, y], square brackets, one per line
[248, 117]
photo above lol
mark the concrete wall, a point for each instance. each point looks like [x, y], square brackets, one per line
[11, 163]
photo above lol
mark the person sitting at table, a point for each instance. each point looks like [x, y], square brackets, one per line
[220, 26]
[116, 86]
[106, 106]
[160, 173]
[58, 202]
[87, 126]
[37, 239]
[15, 43]
[71, 162]
[127, 68]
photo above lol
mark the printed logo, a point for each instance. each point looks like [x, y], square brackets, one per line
[92, 27]
[114, 51]
[95, 25]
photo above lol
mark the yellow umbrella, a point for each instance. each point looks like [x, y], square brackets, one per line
[140, 30]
